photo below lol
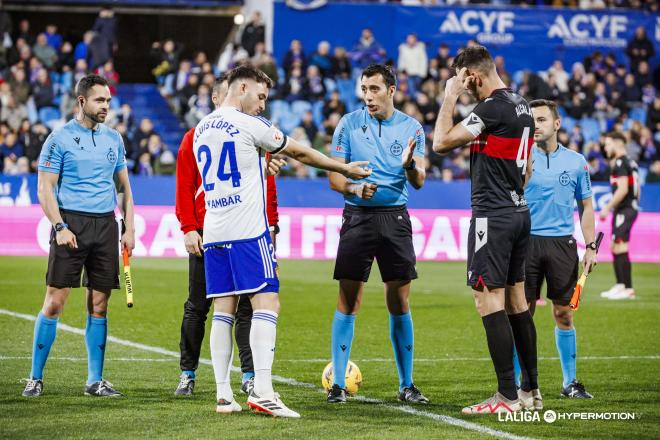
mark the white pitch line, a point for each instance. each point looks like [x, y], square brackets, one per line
[461, 359]
[80, 359]
[289, 381]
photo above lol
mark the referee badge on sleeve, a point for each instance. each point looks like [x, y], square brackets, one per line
[480, 232]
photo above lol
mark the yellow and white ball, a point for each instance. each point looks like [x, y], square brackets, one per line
[353, 378]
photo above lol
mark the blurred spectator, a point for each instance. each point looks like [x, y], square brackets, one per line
[653, 115]
[313, 87]
[367, 50]
[82, 50]
[13, 113]
[443, 57]
[145, 130]
[295, 56]
[25, 33]
[322, 59]
[199, 105]
[654, 172]
[10, 151]
[597, 167]
[105, 26]
[253, 33]
[143, 166]
[65, 59]
[54, 39]
[333, 105]
[44, 52]
[309, 126]
[341, 64]
[640, 48]
[20, 87]
[42, 90]
[631, 92]
[108, 72]
[560, 75]
[294, 86]
[166, 59]
[413, 60]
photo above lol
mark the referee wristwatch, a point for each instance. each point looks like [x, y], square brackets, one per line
[592, 246]
[60, 226]
[412, 165]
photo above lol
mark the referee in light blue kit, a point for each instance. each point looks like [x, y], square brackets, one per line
[80, 166]
[376, 222]
[560, 177]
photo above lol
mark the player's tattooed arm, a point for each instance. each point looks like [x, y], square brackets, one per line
[446, 135]
[309, 156]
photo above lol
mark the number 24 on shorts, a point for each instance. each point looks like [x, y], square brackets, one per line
[228, 152]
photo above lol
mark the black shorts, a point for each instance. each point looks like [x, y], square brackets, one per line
[97, 252]
[381, 232]
[622, 222]
[497, 248]
[554, 259]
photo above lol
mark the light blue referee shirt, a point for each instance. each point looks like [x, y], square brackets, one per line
[86, 161]
[558, 179]
[360, 136]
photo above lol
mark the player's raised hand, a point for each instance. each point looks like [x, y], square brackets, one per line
[457, 85]
[274, 165]
[357, 170]
[364, 190]
[66, 238]
[193, 242]
[407, 156]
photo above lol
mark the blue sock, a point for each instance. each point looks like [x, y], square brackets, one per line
[189, 373]
[516, 367]
[401, 334]
[95, 337]
[567, 348]
[247, 376]
[342, 339]
[44, 336]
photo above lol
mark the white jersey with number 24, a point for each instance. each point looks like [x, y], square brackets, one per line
[229, 147]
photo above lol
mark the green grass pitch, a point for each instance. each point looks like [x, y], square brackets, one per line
[618, 360]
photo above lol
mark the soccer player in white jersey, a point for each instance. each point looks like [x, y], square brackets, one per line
[229, 146]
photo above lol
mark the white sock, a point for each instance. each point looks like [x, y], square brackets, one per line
[222, 352]
[262, 344]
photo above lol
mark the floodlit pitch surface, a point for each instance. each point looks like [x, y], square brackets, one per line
[618, 361]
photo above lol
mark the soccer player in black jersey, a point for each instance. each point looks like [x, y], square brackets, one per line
[500, 133]
[625, 197]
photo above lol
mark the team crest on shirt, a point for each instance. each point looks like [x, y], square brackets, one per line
[564, 178]
[396, 148]
[112, 157]
[278, 136]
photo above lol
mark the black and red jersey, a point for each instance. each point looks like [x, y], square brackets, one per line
[624, 167]
[504, 130]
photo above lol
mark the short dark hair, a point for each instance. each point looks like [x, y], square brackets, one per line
[546, 103]
[475, 57]
[616, 135]
[218, 82]
[87, 82]
[381, 69]
[248, 72]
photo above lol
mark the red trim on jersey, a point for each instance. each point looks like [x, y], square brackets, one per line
[190, 207]
[631, 180]
[499, 147]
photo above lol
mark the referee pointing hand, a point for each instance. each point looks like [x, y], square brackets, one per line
[80, 166]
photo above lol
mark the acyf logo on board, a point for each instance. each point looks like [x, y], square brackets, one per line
[490, 27]
[590, 30]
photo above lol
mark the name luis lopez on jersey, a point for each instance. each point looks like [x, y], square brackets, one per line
[222, 202]
[217, 124]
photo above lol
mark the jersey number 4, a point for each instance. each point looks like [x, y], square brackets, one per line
[521, 157]
[228, 152]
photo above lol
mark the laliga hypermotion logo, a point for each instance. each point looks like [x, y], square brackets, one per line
[489, 27]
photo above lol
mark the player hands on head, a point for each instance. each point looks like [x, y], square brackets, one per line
[230, 145]
[377, 224]
[500, 132]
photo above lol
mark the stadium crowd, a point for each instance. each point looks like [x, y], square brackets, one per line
[314, 88]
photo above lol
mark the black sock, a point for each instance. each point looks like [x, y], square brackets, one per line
[500, 345]
[626, 271]
[524, 333]
[618, 267]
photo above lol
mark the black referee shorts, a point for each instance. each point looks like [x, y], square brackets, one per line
[622, 223]
[555, 260]
[497, 248]
[98, 252]
[384, 233]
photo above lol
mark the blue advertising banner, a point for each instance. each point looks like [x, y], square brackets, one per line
[528, 38]
[297, 193]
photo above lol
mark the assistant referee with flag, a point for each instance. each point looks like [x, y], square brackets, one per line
[560, 177]
[80, 165]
